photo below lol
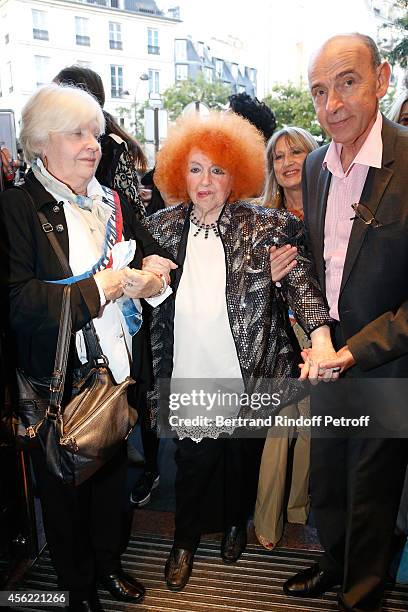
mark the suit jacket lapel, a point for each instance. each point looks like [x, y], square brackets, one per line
[374, 187]
[322, 189]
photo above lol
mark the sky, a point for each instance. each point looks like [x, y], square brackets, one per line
[273, 30]
[317, 18]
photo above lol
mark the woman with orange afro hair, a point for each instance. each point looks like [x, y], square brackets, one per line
[223, 321]
[229, 141]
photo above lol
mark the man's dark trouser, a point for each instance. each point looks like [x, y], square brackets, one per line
[356, 487]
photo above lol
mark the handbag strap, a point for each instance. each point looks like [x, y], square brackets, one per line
[49, 231]
[57, 383]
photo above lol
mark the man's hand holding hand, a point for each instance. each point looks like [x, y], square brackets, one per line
[343, 360]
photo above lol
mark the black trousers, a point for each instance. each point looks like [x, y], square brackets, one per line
[150, 443]
[355, 490]
[85, 526]
[356, 487]
[216, 485]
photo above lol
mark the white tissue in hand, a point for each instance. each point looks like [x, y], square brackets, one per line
[122, 254]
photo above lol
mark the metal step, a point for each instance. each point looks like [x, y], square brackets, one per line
[254, 584]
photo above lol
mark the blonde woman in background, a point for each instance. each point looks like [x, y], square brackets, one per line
[285, 154]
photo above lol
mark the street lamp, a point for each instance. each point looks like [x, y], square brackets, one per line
[143, 77]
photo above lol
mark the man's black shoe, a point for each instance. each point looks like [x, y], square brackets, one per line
[311, 582]
[233, 543]
[123, 587]
[141, 492]
[178, 568]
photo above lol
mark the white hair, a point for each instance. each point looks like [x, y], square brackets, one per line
[56, 108]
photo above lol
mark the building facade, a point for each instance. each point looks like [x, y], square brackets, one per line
[130, 43]
[216, 61]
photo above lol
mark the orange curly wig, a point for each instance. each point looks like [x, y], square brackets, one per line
[229, 140]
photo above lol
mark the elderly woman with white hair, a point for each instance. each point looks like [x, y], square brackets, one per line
[60, 132]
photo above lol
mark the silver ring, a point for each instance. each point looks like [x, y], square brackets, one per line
[336, 370]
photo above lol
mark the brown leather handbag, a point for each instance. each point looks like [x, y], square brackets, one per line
[81, 436]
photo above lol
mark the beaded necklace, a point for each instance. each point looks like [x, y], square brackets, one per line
[203, 226]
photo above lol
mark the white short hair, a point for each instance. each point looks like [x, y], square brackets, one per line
[56, 108]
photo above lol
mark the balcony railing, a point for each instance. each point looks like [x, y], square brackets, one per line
[85, 41]
[153, 50]
[115, 44]
[116, 92]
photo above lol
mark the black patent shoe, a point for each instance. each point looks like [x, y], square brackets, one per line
[178, 568]
[233, 543]
[311, 582]
[123, 587]
[85, 605]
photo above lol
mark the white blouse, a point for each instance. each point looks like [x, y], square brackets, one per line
[203, 342]
[205, 359]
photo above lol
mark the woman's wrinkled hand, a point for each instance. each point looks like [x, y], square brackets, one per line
[110, 281]
[159, 265]
[322, 352]
[282, 260]
[140, 283]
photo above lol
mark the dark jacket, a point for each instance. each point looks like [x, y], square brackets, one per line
[256, 317]
[373, 301]
[156, 201]
[117, 171]
[31, 307]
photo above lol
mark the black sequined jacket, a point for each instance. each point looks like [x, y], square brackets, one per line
[255, 311]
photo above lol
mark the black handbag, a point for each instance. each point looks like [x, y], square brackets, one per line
[81, 434]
